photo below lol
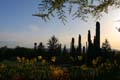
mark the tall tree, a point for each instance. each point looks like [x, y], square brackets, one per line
[106, 50]
[41, 48]
[106, 46]
[53, 45]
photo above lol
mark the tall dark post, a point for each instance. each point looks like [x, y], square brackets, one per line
[89, 39]
[83, 49]
[59, 48]
[40, 48]
[72, 48]
[64, 50]
[86, 46]
[98, 34]
[90, 49]
[97, 42]
[79, 44]
[94, 41]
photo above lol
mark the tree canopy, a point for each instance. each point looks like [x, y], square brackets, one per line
[74, 8]
[106, 46]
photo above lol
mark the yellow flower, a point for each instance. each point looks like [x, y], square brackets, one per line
[94, 62]
[43, 61]
[39, 57]
[84, 67]
[57, 72]
[53, 59]
[18, 59]
[23, 59]
[27, 61]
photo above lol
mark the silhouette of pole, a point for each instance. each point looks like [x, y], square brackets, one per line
[97, 38]
[83, 49]
[79, 44]
[90, 49]
[72, 49]
[64, 50]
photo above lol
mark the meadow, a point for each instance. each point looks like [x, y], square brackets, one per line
[40, 69]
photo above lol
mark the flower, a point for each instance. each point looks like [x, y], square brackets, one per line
[39, 57]
[27, 61]
[57, 73]
[18, 59]
[53, 59]
[84, 67]
[23, 59]
[94, 62]
[43, 61]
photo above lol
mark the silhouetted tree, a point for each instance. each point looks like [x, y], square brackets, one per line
[106, 50]
[41, 48]
[53, 45]
[106, 46]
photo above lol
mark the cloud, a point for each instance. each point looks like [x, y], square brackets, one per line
[34, 28]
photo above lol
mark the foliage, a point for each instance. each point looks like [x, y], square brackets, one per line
[53, 45]
[106, 45]
[75, 8]
[33, 69]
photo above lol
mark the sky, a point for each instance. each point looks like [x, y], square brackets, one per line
[19, 27]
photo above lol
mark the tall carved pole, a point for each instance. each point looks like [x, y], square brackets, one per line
[79, 45]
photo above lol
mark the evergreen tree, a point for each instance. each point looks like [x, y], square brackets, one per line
[41, 48]
[53, 45]
[106, 49]
[106, 46]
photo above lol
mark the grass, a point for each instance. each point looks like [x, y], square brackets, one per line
[42, 70]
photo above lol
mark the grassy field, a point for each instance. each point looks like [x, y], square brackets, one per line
[41, 69]
[35, 70]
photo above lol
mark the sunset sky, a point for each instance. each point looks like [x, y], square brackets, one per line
[19, 27]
